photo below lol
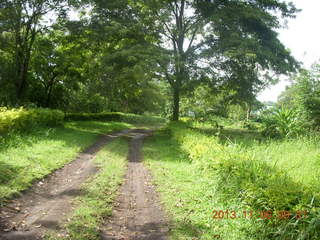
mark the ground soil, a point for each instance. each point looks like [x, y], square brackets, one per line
[48, 204]
[138, 214]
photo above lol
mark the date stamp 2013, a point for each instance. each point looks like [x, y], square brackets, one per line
[265, 215]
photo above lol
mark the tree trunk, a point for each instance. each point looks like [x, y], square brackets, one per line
[248, 112]
[25, 34]
[176, 104]
[48, 100]
[49, 89]
[21, 81]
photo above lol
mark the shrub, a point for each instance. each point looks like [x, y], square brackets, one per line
[114, 116]
[250, 125]
[282, 122]
[22, 119]
[105, 116]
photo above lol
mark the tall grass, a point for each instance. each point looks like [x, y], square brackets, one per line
[298, 157]
[244, 174]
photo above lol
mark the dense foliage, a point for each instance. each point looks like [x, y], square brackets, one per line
[297, 110]
[23, 119]
[281, 122]
[138, 56]
[114, 116]
[304, 96]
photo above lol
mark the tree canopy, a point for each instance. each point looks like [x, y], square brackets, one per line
[139, 56]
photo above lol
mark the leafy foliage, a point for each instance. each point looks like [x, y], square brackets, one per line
[304, 96]
[21, 24]
[225, 42]
[282, 122]
[137, 56]
[114, 116]
[23, 119]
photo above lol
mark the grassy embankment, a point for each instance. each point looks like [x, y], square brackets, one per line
[100, 190]
[198, 171]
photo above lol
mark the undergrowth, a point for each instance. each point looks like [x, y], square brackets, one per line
[23, 119]
[198, 172]
[116, 116]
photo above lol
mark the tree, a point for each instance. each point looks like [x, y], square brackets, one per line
[225, 40]
[124, 68]
[303, 95]
[57, 65]
[120, 50]
[22, 19]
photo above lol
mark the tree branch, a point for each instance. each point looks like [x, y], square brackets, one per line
[192, 39]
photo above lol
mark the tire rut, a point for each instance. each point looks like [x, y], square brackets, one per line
[47, 204]
[138, 214]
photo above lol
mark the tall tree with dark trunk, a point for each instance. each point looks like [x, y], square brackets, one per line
[201, 38]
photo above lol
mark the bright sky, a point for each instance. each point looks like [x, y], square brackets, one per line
[303, 39]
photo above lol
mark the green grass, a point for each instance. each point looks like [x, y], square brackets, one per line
[299, 158]
[98, 194]
[26, 157]
[198, 172]
[188, 195]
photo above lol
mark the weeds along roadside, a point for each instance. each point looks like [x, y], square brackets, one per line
[228, 177]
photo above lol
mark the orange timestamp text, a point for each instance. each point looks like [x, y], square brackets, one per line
[265, 214]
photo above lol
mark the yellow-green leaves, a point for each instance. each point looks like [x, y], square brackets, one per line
[21, 119]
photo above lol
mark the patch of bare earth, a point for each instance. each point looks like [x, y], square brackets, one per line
[48, 203]
[138, 214]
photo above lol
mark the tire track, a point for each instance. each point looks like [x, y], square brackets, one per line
[47, 204]
[138, 214]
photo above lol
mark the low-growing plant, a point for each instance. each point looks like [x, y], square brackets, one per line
[22, 119]
[282, 122]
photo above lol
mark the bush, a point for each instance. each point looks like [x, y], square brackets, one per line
[22, 119]
[105, 116]
[115, 116]
[282, 122]
[250, 125]
[84, 102]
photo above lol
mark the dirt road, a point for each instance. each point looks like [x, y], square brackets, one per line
[47, 204]
[138, 215]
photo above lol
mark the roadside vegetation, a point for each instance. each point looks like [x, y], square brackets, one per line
[200, 170]
[31, 155]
